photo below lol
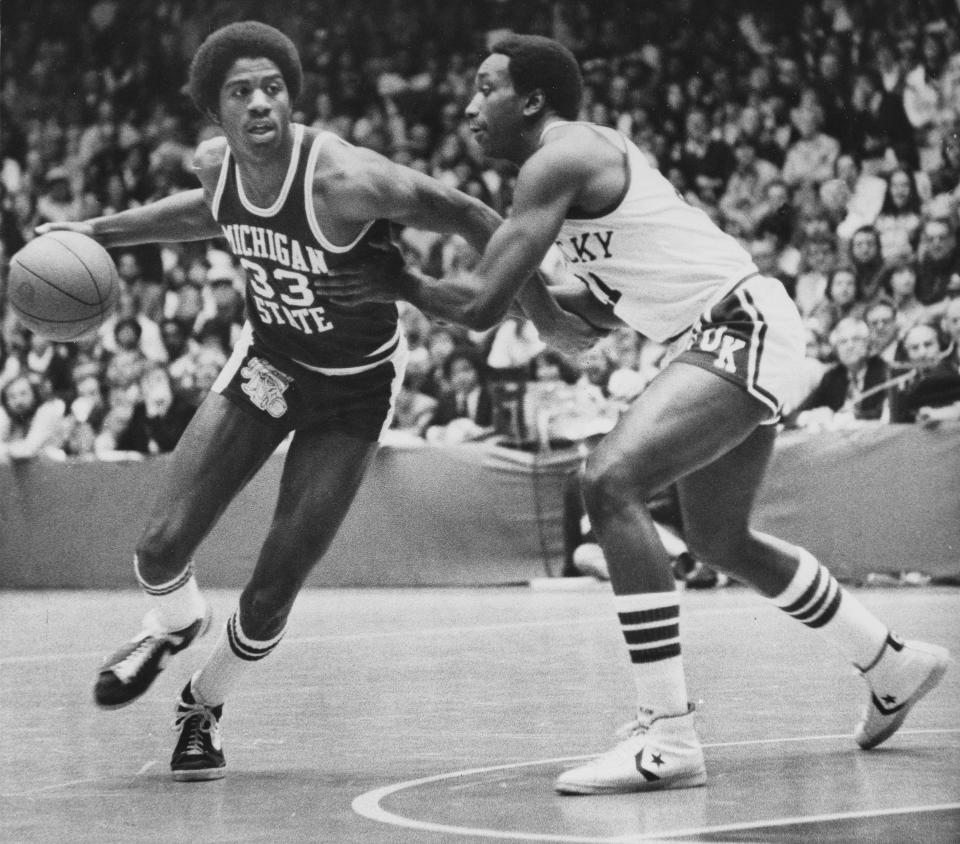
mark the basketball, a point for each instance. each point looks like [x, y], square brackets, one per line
[63, 285]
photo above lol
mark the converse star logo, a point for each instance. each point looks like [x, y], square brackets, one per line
[657, 759]
[889, 699]
[649, 776]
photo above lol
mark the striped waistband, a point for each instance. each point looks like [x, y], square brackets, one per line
[387, 352]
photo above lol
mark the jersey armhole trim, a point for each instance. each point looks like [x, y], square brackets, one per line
[311, 210]
[221, 184]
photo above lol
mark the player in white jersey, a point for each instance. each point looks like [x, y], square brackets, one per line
[645, 258]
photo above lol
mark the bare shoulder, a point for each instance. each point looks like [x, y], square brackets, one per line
[572, 162]
[356, 180]
[208, 159]
[343, 166]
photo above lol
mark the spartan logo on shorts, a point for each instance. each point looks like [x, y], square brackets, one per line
[265, 385]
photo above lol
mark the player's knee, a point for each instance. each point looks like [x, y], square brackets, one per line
[608, 486]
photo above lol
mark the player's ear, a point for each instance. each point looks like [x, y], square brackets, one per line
[212, 115]
[534, 103]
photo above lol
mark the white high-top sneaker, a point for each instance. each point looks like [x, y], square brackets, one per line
[901, 675]
[658, 754]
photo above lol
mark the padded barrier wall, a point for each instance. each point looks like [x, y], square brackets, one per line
[872, 499]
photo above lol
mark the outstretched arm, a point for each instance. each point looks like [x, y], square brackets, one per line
[510, 252]
[368, 187]
[179, 217]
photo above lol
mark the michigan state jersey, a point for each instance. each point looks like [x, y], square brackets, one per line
[657, 261]
[282, 249]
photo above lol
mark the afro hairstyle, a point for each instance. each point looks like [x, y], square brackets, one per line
[539, 62]
[246, 39]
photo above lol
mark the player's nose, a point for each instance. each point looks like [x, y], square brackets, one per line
[473, 107]
[258, 101]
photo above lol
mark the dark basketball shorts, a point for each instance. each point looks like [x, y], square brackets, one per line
[753, 337]
[290, 396]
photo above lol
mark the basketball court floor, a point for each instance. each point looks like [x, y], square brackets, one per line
[426, 716]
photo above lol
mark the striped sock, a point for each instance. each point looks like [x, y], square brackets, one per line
[233, 654]
[178, 601]
[651, 629]
[815, 598]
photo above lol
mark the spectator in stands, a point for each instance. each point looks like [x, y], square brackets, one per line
[84, 420]
[183, 299]
[441, 342]
[58, 203]
[899, 219]
[704, 161]
[162, 415]
[223, 311]
[176, 340]
[921, 94]
[812, 157]
[207, 364]
[466, 397]
[938, 261]
[50, 364]
[149, 341]
[746, 188]
[766, 256]
[881, 319]
[128, 363]
[141, 272]
[945, 177]
[29, 424]
[866, 193]
[849, 388]
[900, 285]
[877, 130]
[413, 410]
[818, 260]
[776, 216]
[933, 394]
[867, 261]
[839, 301]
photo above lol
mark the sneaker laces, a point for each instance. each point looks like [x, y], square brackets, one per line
[128, 667]
[199, 719]
[147, 640]
[637, 727]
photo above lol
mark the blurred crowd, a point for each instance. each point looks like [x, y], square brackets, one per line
[824, 134]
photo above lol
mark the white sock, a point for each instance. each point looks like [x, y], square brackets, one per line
[232, 656]
[815, 598]
[650, 626]
[178, 602]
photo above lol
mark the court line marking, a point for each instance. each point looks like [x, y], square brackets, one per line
[367, 805]
[392, 634]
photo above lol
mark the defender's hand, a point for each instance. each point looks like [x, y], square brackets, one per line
[377, 278]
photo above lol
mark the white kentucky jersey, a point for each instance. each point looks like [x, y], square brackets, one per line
[656, 260]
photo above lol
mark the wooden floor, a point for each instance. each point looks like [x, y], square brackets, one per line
[444, 715]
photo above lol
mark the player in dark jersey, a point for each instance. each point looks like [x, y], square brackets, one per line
[293, 203]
